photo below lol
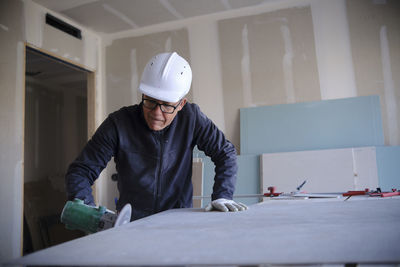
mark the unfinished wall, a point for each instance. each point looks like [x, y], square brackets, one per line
[375, 42]
[20, 22]
[11, 125]
[267, 59]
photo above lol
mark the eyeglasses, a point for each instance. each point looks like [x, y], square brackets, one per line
[151, 104]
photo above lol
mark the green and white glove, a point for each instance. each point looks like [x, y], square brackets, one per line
[223, 204]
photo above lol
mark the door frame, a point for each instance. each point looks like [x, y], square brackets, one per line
[91, 110]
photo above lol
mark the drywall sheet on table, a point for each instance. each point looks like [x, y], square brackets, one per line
[327, 124]
[388, 161]
[304, 232]
[332, 170]
[248, 178]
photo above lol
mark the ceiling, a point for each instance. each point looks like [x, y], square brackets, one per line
[111, 16]
[53, 74]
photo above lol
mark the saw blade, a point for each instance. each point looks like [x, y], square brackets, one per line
[124, 216]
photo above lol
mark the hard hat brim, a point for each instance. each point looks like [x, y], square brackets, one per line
[160, 94]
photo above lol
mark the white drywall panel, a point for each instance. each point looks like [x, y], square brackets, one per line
[332, 170]
[365, 168]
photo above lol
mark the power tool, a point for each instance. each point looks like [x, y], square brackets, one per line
[78, 216]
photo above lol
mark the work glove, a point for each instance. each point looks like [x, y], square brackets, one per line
[223, 204]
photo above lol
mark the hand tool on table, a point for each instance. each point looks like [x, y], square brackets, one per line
[349, 194]
[272, 192]
[77, 215]
[377, 193]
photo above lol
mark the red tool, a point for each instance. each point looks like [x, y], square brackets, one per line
[356, 193]
[377, 193]
[272, 192]
[385, 194]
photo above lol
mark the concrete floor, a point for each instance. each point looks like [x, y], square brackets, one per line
[329, 231]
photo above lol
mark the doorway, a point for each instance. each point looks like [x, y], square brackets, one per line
[56, 129]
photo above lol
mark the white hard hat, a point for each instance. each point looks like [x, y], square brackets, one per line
[166, 77]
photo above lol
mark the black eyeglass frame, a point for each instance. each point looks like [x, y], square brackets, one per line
[162, 106]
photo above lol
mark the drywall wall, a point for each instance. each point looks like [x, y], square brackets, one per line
[11, 125]
[20, 22]
[374, 28]
[267, 59]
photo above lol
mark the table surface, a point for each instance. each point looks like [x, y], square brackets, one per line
[329, 231]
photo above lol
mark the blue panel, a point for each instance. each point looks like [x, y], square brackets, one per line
[208, 177]
[339, 123]
[248, 180]
[388, 163]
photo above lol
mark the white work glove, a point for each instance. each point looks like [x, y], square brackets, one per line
[223, 204]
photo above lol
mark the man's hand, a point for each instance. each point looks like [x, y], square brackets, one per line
[223, 204]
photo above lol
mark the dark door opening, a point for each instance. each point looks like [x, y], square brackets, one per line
[56, 129]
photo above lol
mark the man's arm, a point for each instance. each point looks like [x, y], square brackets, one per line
[85, 169]
[222, 152]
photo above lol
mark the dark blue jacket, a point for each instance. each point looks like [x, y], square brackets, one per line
[154, 167]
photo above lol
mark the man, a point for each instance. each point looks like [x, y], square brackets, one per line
[152, 145]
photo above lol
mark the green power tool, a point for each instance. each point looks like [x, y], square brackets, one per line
[78, 216]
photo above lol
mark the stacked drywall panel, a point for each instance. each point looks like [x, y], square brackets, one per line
[327, 124]
[336, 145]
[388, 161]
[327, 170]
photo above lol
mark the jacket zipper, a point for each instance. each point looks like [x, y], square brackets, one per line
[158, 178]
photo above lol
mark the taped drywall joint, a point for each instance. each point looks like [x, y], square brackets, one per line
[120, 15]
[288, 64]
[171, 9]
[245, 66]
[226, 4]
[134, 76]
[390, 96]
[168, 45]
[3, 27]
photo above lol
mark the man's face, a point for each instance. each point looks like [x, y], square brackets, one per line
[155, 118]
